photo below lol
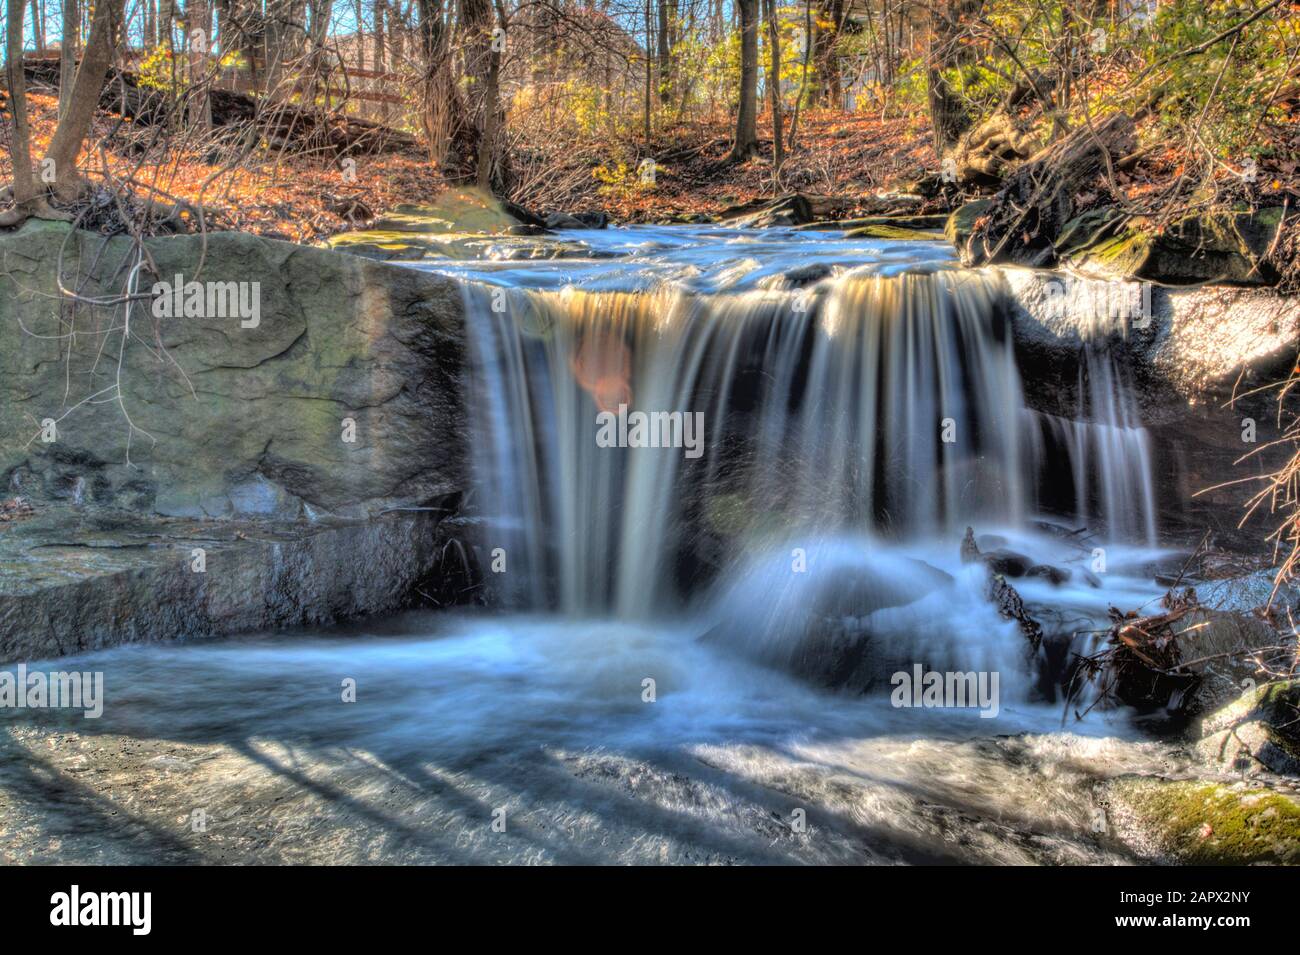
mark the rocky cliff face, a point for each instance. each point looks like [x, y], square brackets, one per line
[339, 396]
[1198, 361]
[223, 471]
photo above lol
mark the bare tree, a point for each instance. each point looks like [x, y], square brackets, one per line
[948, 112]
[74, 125]
[774, 83]
[68, 51]
[746, 144]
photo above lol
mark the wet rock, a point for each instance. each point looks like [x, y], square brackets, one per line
[1249, 592]
[562, 220]
[1259, 731]
[900, 229]
[961, 224]
[821, 627]
[808, 274]
[1053, 575]
[789, 210]
[76, 582]
[1201, 823]
[525, 229]
[1232, 645]
[1007, 562]
[1184, 353]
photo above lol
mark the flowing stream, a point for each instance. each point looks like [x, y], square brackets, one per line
[689, 648]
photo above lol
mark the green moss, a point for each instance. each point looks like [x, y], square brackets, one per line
[1211, 824]
[897, 233]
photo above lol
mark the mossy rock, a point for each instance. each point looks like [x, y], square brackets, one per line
[922, 223]
[389, 245]
[1257, 732]
[242, 419]
[1196, 822]
[1088, 230]
[895, 233]
[961, 223]
[1221, 247]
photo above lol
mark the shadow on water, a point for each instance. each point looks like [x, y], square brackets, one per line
[458, 717]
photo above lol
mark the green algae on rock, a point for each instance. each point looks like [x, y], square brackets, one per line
[1203, 823]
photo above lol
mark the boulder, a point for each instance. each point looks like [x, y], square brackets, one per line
[341, 398]
[1222, 247]
[77, 579]
[562, 220]
[789, 210]
[1258, 732]
[900, 228]
[1008, 563]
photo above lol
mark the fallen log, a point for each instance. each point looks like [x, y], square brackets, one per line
[279, 124]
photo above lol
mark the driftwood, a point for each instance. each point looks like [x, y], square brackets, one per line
[281, 125]
[1029, 212]
[1005, 597]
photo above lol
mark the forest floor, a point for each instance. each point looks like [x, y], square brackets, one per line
[848, 157]
[309, 197]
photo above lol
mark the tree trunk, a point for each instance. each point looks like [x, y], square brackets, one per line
[20, 150]
[68, 52]
[86, 88]
[321, 11]
[667, 12]
[948, 113]
[826, 64]
[491, 121]
[774, 84]
[746, 144]
[649, 70]
[277, 45]
[38, 26]
[378, 85]
[199, 27]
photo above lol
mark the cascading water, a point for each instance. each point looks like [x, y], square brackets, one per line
[881, 402]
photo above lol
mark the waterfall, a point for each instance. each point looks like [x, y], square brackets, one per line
[887, 405]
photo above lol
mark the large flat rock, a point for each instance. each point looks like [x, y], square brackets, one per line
[217, 417]
[74, 580]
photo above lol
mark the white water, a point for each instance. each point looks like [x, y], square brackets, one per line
[882, 401]
[823, 446]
